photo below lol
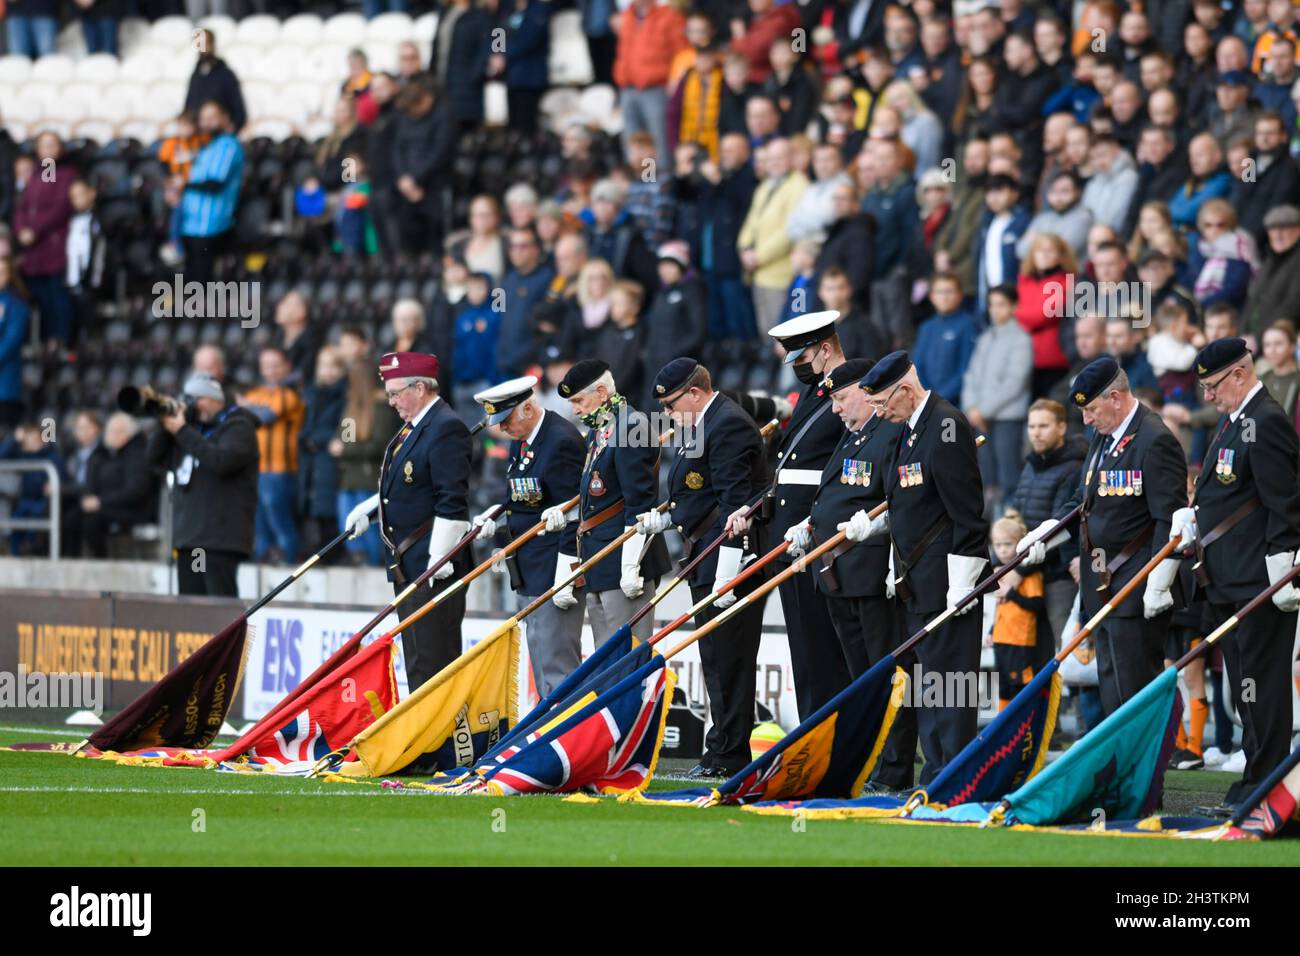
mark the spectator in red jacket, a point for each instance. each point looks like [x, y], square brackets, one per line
[41, 220]
[768, 24]
[1046, 297]
[649, 36]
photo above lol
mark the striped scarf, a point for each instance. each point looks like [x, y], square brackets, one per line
[701, 125]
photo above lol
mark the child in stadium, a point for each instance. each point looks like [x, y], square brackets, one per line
[1186, 630]
[178, 152]
[1020, 623]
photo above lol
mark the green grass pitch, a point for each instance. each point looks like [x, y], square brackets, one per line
[58, 810]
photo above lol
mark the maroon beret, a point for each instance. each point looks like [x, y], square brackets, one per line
[408, 365]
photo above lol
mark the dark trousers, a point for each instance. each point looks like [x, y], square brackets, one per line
[383, 213]
[602, 51]
[953, 654]
[50, 294]
[214, 576]
[419, 224]
[869, 628]
[729, 660]
[434, 641]
[523, 105]
[201, 255]
[1130, 653]
[820, 671]
[1258, 658]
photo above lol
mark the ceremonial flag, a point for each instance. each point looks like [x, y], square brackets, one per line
[455, 717]
[1273, 804]
[1117, 768]
[608, 743]
[830, 754]
[188, 706]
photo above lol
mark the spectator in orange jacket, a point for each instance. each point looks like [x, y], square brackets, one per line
[770, 23]
[649, 36]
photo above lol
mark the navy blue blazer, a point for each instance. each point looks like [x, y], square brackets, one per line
[429, 476]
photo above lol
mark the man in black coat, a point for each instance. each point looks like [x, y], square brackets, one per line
[381, 160]
[545, 467]
[1135, 478]
[855, 580]
[850, 244]
[212, 79]
[1247, 529]
[939, 548]
[805, 446]
[1018, 100]
[212, 451]
[678, 318]
[1162, 169]
[425, 145]
[459, 58]
[717, 468]
[423, 502]
[1274, 179]
[121, 490]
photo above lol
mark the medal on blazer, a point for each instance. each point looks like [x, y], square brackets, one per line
[1121, 446]
[1103, 483]
[1223, 466]
[407, 470]
[694, 480]
[911, 439]
[910, 476]
[596, 487]
[855, 472]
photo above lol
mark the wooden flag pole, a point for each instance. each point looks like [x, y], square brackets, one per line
[749, 571]
[1235, 619]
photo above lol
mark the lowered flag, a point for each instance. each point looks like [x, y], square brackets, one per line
[188, 706]
[607, 743]
[830, 754]
[455, 717]
[1272, 805]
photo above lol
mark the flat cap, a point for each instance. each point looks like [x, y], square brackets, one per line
[203, 385]
[886, 372]
[1282, 216]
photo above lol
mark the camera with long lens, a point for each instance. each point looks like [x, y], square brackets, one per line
[145, 400]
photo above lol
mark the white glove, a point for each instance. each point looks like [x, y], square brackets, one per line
[1285, 598]
[1156, 599]
[862, 526]
[359, 517]
[555, 519]
[498, 565]
[728, 568]
[800, 538]
[486, 524]
[1183, 525]
[1034, 544]
[784, 408]
[564, 598]
[630, 582]
[653, 522]
[891, 586]
[445, 535]
[963, 572]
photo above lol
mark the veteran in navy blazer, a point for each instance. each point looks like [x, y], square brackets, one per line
[423, 503]
[545, 466]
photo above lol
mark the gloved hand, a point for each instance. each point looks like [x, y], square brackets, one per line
[861, 526]
[800, 538]
[498, 565]
[359, 517]
[963, 573]
[444, 537]
[784, 408]
[630, 582]
[1156, 599]
[486, 523]
[1035, 544]
[1286, 598]
[555, 519]
[728, 568]
[891, 586]
[653, 522]
[1183, 525]
[564, 598]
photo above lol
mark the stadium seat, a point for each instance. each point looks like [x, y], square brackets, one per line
[425, 28]
[174, 33]
[131, 33]
[146, 131]
[259, 30]
[381, 55]
[495, 108]
[55, 69]
[277, 69]
[97, 68]
[14, 70]
[568, 62]
[67, 109]
[25, 111]
[303, 30]
[347, 28]
[317, 128]
[179, 66]
[145, 63]
[72, 41]
[392, 28]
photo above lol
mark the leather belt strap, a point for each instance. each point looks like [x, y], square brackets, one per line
[587, 525]
[691, 538]
[828, 578]
[405, 545]
[1130, 549]
[903, 565]
[1217, 532]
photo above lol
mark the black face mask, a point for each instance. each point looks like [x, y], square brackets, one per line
[805, 374]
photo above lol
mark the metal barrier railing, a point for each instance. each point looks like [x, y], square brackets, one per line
[50, 524]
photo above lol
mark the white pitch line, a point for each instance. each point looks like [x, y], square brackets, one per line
[212, 791]
[53, 733]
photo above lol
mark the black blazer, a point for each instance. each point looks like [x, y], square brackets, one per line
[718, 465]
[792, 503]
[429, 476]
[942, 484]
[1255, 456]
[847, 489]
[1147, 451]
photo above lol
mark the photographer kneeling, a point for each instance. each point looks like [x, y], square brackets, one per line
[211, 446]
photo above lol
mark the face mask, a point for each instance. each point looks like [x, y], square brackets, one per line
[805, 374]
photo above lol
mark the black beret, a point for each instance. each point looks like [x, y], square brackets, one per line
[1219, 354]
[849, 373]
[581, 375]
[1095, 378]
[886, 372]
[674, 376]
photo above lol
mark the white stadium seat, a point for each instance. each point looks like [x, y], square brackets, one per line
[302, 30]
[273, 129]
[97, 68]
[224, 28]
[82, 92]
[160, 103]
[58, 127]
[259, 30]
[14, 70]
[495, 106]
[597, 102]
[315, 129]
[96, 129]
[560, 103]
[67, 109]
[17, 130]
[278, 68]
[179, 67]
[302, 101]
[426, 27]
[72, 41]
[391, 27]
[172, 32]
[55, 68]
[381, 55]
[146, 63]
[242, 60]
[316, 64]
[349, 28]
[25, 109]
[569, 62]
[114, 109]
[145, 131]
[42, 93]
